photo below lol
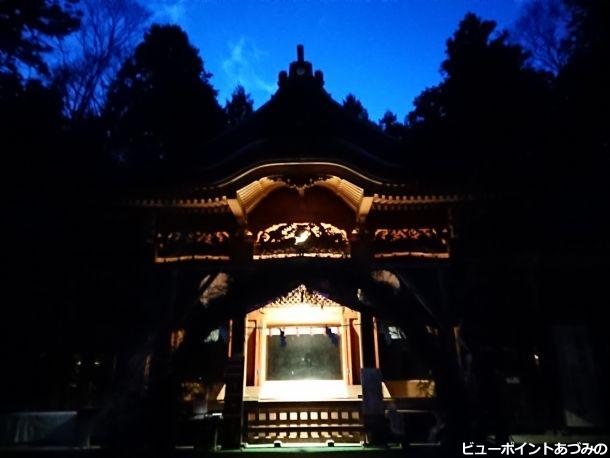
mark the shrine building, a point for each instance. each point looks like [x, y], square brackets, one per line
[303, 275]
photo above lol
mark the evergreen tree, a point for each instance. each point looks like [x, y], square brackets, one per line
[490, 110]
[239, 107]
[390, 125]
[161, 107]
[354, 107]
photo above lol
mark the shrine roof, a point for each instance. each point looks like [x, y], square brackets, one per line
[300, 137]
[301, 123]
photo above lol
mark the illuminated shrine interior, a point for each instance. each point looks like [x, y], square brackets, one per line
[306, 347]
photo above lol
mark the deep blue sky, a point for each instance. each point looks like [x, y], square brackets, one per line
[384, 51]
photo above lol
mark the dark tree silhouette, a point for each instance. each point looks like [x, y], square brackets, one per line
[30, 122]
[90, 58]
[390, 125]
[588, 31]
[541, 29]
[388, 121]
[488, 112]
[486, 127]
[354, 107]
[26, 28]
[162, 107]
[583, 83]
[239, 107]
[31, 136]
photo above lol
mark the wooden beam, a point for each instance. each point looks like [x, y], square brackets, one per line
[365, 207]
[237, 211]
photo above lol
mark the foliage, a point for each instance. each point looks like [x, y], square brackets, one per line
[354, 107]
[489, 110]
[161, 107]
[541, 29]
[239, 107]
[26, 28]
[390, 125]
[109, 31]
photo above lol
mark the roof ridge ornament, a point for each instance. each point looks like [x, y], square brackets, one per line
[300, 70]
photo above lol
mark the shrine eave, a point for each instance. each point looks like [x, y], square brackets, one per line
[396, 202]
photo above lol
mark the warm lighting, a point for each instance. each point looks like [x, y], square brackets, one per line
[176, 339]
[283, 240]
[259, 257]
[196, 257]
[303, 390]
[304, 316]
[412, 254]
[301, 237]
[302, 297]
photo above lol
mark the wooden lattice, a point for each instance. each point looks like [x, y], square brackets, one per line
[302, 295]
[312, 422]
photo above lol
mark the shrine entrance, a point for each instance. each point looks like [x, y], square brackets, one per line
[302, 347]
[302, 371]
[318, 361]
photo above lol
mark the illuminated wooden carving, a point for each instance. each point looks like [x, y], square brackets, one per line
[302, 295]
[180, 244]
[296, 239]
[412, 241]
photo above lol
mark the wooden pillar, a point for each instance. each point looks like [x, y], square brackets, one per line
[232, 414]
[251, 355]
[373, 410]
[354, 347]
